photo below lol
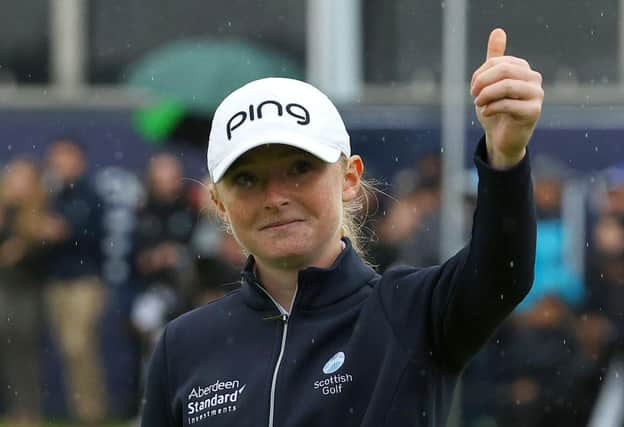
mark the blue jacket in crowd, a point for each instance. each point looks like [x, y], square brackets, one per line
[79, 254]
[358, 348]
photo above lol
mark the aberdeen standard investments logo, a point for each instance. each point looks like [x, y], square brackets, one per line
[335, 382]
[212, 400]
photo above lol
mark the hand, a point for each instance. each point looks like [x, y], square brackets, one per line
[53, 228]
[508, 101]
[12, 251]
[524, 390]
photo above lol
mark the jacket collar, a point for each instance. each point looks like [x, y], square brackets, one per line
[317, 287]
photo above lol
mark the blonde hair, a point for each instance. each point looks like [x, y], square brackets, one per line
[356, 212]
[30, 211]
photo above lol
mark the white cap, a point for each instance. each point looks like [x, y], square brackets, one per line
[275, 111]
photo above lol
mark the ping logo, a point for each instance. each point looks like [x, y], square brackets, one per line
[294, 110]
[334, 363]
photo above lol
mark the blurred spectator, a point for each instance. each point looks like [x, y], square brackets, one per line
[165, 227]
[24, 226]
[553, 276]
[606, 258]
[606, 272]
[412, 225]
[550, 368]
[218, 258]
[121, 192]
[76, 295]
[614, 197]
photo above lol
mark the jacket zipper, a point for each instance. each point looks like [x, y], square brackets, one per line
[284, 317]
[276, 370]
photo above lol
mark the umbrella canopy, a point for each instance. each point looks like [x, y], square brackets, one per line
[198, 74]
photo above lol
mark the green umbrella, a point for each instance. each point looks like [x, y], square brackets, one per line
[158, 121]
[195, 75]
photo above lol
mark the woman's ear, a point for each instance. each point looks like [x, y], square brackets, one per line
[220, 208]
[352, 177]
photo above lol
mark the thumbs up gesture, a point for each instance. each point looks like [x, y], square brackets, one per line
[508, 100]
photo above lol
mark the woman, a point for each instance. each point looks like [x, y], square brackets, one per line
[24, 227]
[314, 337]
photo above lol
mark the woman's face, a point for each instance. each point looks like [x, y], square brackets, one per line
[284, 205]
[20, 181]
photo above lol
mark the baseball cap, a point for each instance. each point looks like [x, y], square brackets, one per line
[275, 110]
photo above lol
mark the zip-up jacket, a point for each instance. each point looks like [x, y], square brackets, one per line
[358, 348]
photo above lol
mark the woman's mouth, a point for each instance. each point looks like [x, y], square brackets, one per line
[280, 224]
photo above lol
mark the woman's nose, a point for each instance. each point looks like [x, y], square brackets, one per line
[277, 191]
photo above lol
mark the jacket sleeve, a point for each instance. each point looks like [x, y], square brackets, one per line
[157, 403]
[458, 305]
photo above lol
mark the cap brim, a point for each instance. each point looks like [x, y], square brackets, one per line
[312, 146]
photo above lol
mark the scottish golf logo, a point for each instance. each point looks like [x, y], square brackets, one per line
[334, 384]
[334, 363]
[215, 399]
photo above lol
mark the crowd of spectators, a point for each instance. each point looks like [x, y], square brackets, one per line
[92, 266]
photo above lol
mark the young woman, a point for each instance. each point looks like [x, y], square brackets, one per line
[314, 336]
[24, 225]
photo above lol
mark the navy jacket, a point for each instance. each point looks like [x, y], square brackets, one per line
[359, 348]
[79, 253]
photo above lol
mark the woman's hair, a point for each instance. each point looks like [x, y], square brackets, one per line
[30, 210]
[354, 213]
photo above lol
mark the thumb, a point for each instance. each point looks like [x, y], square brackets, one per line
[496, 43]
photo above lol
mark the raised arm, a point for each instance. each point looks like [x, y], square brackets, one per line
[492, 275]
[460, 303]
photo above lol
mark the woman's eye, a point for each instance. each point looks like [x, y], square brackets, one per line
[244, 180]
[300, 167]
